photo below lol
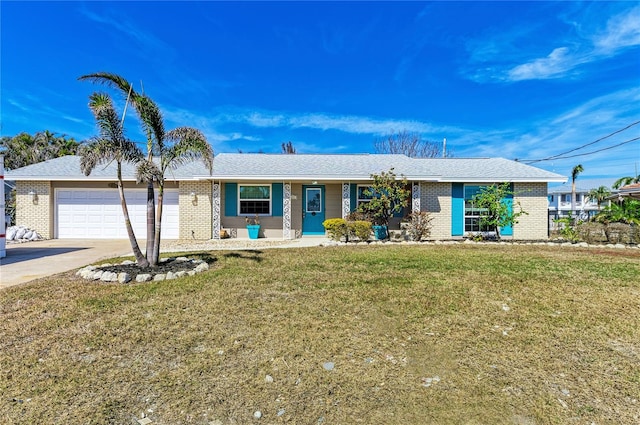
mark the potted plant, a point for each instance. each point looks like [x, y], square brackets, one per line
[388, 195]
[253, 226]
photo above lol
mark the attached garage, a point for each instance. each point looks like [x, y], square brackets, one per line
[97, 214]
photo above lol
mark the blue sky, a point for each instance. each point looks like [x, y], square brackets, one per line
[526, 80]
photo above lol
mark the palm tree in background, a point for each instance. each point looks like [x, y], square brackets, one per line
[173, 148]
[111, 145]
[574, 175]
[599, 195]
[624, 181]
[26, 149]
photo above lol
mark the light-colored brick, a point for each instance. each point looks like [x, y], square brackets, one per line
[36, 215]
[533, 199]
[196, 219]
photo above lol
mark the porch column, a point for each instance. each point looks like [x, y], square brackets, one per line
[346, 200]
[215, 197]
[415, 197]
[286, 211]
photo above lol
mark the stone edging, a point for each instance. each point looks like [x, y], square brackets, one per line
[95, 272]
[471, 242]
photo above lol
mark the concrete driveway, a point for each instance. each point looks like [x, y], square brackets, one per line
[32, 260]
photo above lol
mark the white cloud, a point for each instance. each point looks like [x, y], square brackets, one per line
[345, 123]
[493, 59]
[622, 31]
[557, 64]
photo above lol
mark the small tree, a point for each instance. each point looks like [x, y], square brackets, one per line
[388, 196]
[498, 212]
[287, 148]
[410, 144]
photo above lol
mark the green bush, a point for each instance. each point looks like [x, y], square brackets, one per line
[336, 228]
[339, 228]
[360, 229]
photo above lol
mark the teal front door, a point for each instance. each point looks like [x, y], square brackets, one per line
[312, 210]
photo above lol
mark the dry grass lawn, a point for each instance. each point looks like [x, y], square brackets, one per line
[418, 334]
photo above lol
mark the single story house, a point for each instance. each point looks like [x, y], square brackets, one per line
[290, 194]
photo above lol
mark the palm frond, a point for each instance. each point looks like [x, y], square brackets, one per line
[188, 144]
[110, 80]
[147, 171]
[106, 117]
[152, 121]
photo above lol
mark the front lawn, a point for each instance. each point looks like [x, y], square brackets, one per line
[403, 334]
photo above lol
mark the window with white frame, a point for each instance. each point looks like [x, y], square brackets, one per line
[254, 199]
[363, 194]
[472, 213]
[566, 197]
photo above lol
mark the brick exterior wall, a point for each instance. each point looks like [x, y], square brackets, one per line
[435, 198]
[533, 199]
[37, 216]
[196, 219]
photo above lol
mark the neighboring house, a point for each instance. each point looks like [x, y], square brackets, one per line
[560, 202]
[629, 191]
[291, 194]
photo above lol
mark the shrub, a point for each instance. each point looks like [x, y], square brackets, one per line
[419, 226]
[339, 228]
[567, 228]
[336, 228]
[360, 229]
[619, 233]
[591, 232]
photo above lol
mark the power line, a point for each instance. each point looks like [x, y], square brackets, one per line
[596, 151]
[562, 155]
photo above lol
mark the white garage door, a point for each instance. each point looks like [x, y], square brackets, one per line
[97, 214]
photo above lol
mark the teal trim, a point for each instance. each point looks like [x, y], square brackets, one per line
[457, 209]
[508, 201]
[353, 196]
[276, 199]
[231, 199]
[312, 221]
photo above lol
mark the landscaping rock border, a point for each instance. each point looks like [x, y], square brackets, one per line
[560, 243]
[101, 272]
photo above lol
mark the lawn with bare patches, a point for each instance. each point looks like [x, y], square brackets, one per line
[400, 334]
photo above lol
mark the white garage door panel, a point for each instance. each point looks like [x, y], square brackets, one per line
[97, 214]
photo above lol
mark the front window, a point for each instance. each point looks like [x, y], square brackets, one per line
[364, 194]
[472, 213]
[255, 199]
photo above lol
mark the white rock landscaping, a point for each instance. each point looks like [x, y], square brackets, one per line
[22, 234]
[102, 273]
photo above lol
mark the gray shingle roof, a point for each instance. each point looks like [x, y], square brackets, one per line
[349, 167]
[67, 168]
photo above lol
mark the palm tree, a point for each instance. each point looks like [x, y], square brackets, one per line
[145, 172]
[599, 195]
[574, 175]
[173, 148]
[112, 145]
[624, 181]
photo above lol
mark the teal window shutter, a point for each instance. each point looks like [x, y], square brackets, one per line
[276, 199]
[457, 209]
[508, 201]
[353, 194]
[231, 199]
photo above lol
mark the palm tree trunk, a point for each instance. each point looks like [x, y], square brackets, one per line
[140, 259]
[151, 222]
[156, 243]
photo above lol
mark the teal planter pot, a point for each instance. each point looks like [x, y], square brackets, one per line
[379, 232]
[254, 230]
